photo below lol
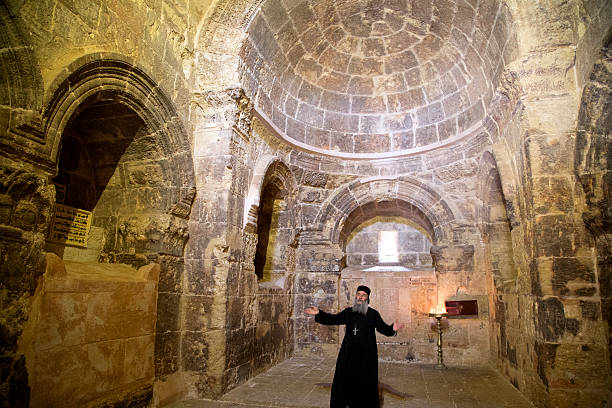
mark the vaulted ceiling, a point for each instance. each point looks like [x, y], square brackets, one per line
[374, 76]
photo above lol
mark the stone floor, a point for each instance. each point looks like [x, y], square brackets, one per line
[293, 383]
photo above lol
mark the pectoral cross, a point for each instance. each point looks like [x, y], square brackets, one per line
[355, 331]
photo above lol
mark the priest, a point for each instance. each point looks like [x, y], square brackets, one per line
[356, 378]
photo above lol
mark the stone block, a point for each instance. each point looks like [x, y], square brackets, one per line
[200, 277]
[48, 386]
[240, 347]
[200, 310]
[552, 322]
[195, 352]
[360, 86]
[453, 259]
[368, 104]
[167, 348]
[400, 62]
[573, 276]
[549, 154]
[403, 141]
[456, 171]
[341, 122]
[65, 320]
[342, 142]
[170, 275]
[168, 307]
[554, 235]
[405, 101]
[138, 363]
[107, 318]
[302, 17]
[426, 135]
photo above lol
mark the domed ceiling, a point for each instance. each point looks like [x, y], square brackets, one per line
[355, 77]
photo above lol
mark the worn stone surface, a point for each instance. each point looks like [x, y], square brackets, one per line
[91, 336]
[483, 125]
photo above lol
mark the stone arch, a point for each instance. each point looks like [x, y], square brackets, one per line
[110, 76]
[395, 207]
[271, 219]
[495, 224]
[334, 212]
[411, 234]
[267, 169]
[99, 78]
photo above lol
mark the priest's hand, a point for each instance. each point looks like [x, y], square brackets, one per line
[312, 310]
[397, 325]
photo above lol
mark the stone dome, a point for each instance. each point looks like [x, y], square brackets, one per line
[355, 77]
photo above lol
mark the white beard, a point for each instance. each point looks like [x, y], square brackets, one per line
[360, 307]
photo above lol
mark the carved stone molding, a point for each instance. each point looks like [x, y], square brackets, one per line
[238, 105]
[244, 115]
[250, 224]
[31, 130]
[249, 245]
[182, 208]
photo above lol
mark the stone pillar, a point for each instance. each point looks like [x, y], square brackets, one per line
[568, 346]
[594, 170]
[466, 340]
[454, 266]
[212, 257]
[317, 283]
[26, 199]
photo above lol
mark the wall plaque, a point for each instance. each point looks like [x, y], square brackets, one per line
[461, 308]
[70, 226]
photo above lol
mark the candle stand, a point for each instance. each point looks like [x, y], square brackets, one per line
[439, 316]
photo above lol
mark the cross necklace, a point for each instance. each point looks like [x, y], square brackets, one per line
[355, 331]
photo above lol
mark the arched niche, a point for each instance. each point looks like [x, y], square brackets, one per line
[269, 262]
[403, 289]
[122, 154]
[388, 233]
[271, 205]
[496, 227]
[436, 215]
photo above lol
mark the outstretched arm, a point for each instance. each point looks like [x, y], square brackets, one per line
[325, 318]
[313, 310]
[387, 329]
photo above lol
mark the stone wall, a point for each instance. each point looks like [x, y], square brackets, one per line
[593, 164]
[457, 115]
[53, 51]
[552, 248]
[405, 297]
[26, 202]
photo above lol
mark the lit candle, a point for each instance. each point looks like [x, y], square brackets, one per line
[438, 310]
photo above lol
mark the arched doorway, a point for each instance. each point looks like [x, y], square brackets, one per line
[124, 189]
[387, 244]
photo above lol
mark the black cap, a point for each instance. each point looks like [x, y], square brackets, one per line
[363, 289]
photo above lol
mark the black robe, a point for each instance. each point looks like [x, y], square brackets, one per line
[356, 377]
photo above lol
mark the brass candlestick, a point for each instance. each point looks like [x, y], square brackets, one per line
[438, 316]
